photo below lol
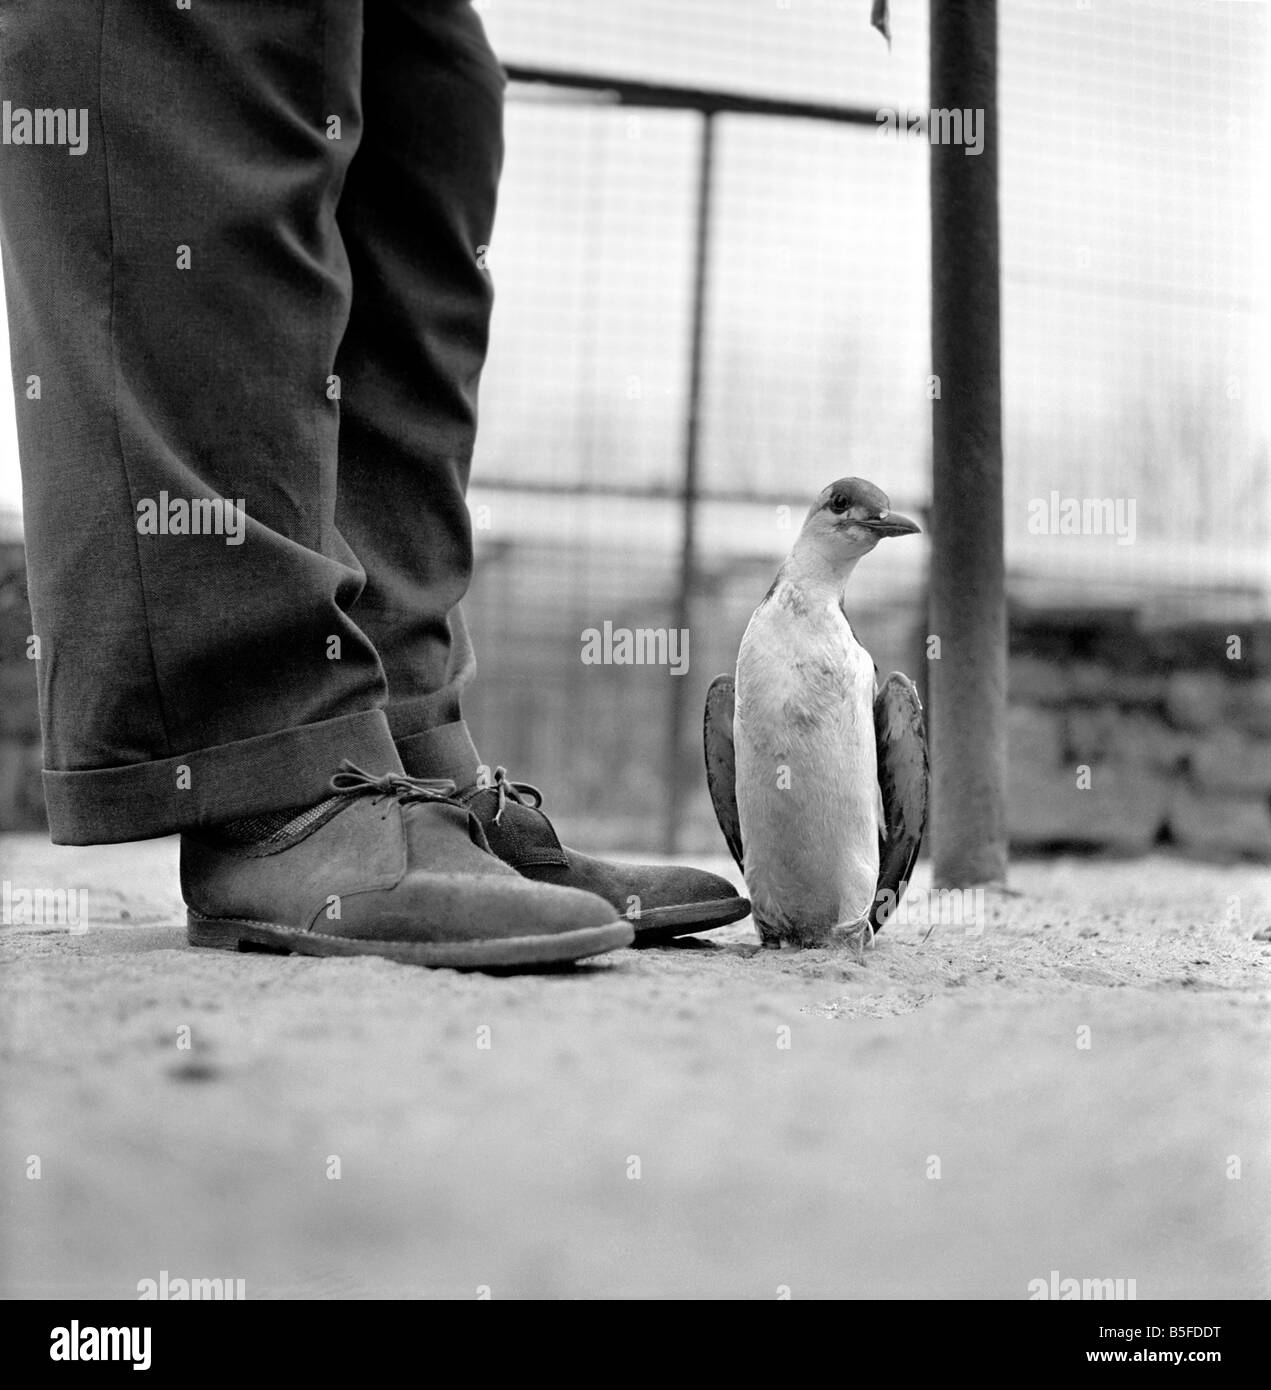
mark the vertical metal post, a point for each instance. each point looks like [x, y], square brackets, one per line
[968, 603]
[678, 761]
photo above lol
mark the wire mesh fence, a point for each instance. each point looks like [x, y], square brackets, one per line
[1136, 351]
[1133, 299]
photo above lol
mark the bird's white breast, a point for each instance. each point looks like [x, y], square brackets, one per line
[807, 766]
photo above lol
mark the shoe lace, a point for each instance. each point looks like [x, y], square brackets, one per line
[523, 793]
[352, 780]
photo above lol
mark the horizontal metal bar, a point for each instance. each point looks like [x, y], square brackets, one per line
[651, 492]
[627, 91]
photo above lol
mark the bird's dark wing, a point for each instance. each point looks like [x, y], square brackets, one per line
[721, 764]
[902, 778]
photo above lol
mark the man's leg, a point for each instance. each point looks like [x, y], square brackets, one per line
[177, 292]
[417, 213]
[178, 288]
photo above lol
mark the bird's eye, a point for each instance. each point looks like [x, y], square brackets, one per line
[837, 504]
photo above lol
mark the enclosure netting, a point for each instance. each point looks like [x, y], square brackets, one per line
[1134, 345]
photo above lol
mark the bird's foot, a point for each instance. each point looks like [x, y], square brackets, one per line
[858, 936]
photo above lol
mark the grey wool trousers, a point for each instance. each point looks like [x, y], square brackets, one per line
[248, 308]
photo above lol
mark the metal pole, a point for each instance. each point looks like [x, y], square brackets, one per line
[678, 762]
[968, 592]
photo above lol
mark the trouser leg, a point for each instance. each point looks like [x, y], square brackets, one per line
[416, 214]
[177, 293]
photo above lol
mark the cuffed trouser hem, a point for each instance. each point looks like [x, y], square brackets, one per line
[272, 772]
[447, 751]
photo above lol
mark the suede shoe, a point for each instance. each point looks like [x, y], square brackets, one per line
[391, 866]
[660, 900]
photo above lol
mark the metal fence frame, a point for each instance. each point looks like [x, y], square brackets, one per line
[709, 104]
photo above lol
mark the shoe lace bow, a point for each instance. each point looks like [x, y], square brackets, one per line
[523, 793]
[352, 780]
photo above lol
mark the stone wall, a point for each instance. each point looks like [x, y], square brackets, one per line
[1125, 735]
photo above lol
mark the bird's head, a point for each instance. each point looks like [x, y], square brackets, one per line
[848, 520]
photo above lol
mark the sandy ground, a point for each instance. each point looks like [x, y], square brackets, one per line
[1075, 1088]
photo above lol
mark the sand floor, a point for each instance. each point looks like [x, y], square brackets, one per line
[1081, 1087]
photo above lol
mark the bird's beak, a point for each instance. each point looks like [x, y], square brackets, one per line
[894, 524]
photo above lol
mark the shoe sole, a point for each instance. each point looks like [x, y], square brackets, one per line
[232, 934]
[657, 924]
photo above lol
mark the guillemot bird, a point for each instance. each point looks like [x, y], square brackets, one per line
[818, 775]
